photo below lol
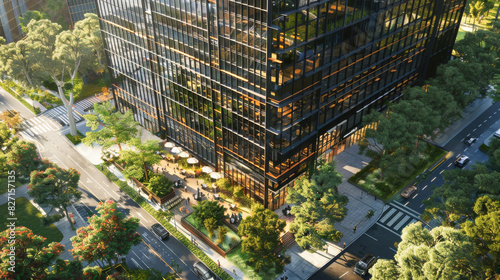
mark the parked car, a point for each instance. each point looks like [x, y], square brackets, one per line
[202, 271]
[470, 140]
[462, 161]
[408, 191]
[497, 133]
[160, 231]
[363, 265]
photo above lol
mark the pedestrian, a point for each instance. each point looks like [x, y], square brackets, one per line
[218, 262]
[354, 229]
[189, 200]
[344, 245]
[197, 182]
[185, 188]
[234, 272]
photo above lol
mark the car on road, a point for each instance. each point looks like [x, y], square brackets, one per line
[497, 133]
[202, 271]
[178, 184]
[470, 140]
[362, 266]
[462, 161]
[408, 191]
[160, 231]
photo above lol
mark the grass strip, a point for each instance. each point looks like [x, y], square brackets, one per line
[18, 97]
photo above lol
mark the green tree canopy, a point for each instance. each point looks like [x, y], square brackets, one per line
[160, 185]
[7, 138]
[442, 253]
[261, 232]
[31, 257]
[55, 187]
[23, 158]
[208, 209]
[117, 128]
[317, 206]
[139, 158]
[107, 236]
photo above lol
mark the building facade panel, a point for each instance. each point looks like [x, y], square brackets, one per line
[261, 89]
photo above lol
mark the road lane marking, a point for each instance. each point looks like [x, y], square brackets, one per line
[407, 203]
[485, 120]
[158, 255]
[136, 263]
[414, 196]
[480, 125]
[371, 237]
[433, 179]
[393, 249]
[468, 135]
[441, 171]
[424, 187]
[465, 149]
[345, 274]
[140, 259]
[388, 229]
[474, 130]
[421, 206]
[450, 164]
[84, 170]
[489, 117]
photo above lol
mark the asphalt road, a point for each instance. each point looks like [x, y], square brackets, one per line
[380, 239]
[96, 187]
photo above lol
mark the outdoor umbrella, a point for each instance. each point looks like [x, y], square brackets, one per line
[169, 145]
[176, 150]
[215, 175]
[184, 155]
[207, 169]
[192, 160]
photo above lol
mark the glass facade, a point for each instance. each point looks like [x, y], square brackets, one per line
[78, 9]
[261, 89]
[10, 11]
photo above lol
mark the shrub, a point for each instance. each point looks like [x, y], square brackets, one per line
[37, 110]
[222, 231]
[77, 139]
[208, 209]
[210, 224]
[160, 185]
[383, 187]
[484, 148]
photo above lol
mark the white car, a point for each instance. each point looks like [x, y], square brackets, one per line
[497, 133]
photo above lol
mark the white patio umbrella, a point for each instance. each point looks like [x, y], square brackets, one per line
[215, 175]
[184, 155]
[169, 145]
[176, 150]
[207, 169]
[192, 160]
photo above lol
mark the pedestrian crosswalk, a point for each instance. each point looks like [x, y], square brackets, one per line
[39, 125]
[396, 216]
[87, 104]
[60, 114]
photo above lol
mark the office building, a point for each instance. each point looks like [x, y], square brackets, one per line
[261, 89]
[78, 9]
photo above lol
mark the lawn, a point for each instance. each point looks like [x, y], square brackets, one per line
[368, 177]
[27, 215]
[4, 185]
[238, 258]
[460, 35]
[228, 239]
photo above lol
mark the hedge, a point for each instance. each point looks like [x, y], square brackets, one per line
[159, 217]
[77, 139]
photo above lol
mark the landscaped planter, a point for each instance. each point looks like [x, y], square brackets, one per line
[193, 230]
[151, 196]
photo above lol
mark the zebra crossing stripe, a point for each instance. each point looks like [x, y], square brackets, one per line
[36, 130]
[45, 126]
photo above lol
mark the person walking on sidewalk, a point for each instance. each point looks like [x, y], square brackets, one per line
[354, 229]
[218, 262]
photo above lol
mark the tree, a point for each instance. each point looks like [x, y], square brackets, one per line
[317, 206]
[12, 119]
[90, 27]
[208, 209]
[485, 233]
[23, 158]
[64, 269]
[138, 159]
[55, 187]
[222, 231]
[30, 257]
[160, 185]
[7, 138]
[30, 15]
[72, 47]
[17, 63]
[151, 274]
[107, 236]
[261, 232]
[210, 224]
[442, 253]
[117, 128]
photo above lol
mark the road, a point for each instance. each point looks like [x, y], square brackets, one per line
[96, 187]
[380, 239]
